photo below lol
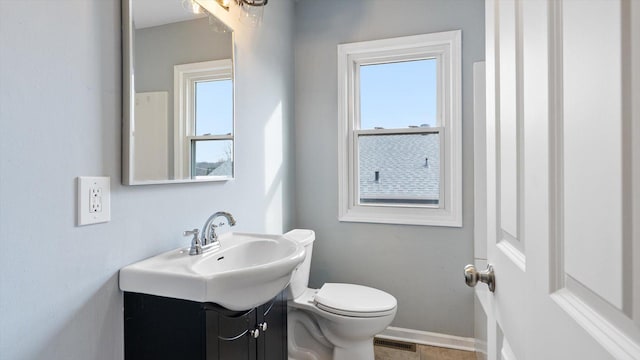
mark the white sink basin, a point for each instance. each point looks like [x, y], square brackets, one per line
[247, 270]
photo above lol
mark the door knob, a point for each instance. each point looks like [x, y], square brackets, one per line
[472, 276]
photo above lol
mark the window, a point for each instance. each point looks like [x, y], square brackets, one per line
[400, 148]
[203, 134]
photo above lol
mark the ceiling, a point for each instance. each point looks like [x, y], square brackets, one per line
[148, 13]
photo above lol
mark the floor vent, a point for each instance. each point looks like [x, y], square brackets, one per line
[394, 344]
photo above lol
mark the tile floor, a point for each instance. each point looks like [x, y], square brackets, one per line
[423, 352]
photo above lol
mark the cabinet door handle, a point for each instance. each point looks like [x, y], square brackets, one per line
[263, 326]
[234, 337]
[254, 333]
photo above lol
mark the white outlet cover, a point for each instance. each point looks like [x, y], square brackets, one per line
[103, 187]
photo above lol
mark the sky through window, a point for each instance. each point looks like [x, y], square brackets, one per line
[398, 95]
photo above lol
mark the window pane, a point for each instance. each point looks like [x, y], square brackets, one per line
[214, 107]
[212, 158]
[398, 95]
[399, 169]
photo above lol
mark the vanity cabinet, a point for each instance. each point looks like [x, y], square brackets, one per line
[159, 328]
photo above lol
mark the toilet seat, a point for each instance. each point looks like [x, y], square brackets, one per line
[354, 300]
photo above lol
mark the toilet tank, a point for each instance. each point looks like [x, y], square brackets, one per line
[300, 276]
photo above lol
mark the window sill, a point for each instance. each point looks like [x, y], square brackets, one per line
[401, 216]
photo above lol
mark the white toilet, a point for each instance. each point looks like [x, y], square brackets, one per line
[337, 321]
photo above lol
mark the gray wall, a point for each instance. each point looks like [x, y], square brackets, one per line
[421, 266]
[60, 114]
[159, 48]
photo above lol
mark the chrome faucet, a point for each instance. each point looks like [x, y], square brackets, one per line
[209, 236]
[208, 239]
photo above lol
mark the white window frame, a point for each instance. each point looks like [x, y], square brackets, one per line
[444, 46]
[185, 77]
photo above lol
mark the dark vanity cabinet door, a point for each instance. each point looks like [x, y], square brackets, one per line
[160, 328]
[230, 333]
[272, 342]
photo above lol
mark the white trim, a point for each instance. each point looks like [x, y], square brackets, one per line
[428, 338]
[481, 349]
[512, 253]
[419, 130]
[556, 155]
[479, 161]
[211, 137]
[635, 151]
[507, 353]
[197, 179]
[446, 47]
[184, 78]
[128, 93]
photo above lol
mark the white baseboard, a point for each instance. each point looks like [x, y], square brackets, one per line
[428, 338]
[481, 348]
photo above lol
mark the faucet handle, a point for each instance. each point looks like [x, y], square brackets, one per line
[196, 245]
[194, 232]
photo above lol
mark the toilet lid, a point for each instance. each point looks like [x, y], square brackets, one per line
[354, 300]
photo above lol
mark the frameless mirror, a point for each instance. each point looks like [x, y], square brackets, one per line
[178, 113]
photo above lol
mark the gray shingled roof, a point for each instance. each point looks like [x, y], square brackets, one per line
[225, 169]
[400, 161]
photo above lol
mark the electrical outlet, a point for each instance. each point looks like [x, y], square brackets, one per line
[93, 200]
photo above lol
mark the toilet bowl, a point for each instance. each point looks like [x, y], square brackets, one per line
[337, 321]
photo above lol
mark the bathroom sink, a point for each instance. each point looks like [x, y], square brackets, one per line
[247, 270]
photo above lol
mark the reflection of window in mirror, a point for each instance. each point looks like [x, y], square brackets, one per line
[204, 109]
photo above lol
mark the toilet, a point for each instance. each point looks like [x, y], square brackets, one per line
[337, 321]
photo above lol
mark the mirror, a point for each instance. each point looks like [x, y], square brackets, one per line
[178, 94]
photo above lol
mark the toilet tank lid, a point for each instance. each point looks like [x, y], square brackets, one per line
[354, 298]
[302, 236]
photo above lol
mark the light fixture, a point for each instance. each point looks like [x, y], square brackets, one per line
[224, 3]
[251, 11]
[195, 8]
[252, 2]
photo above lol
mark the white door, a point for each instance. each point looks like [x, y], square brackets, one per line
[563, 179]
[150, 139]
